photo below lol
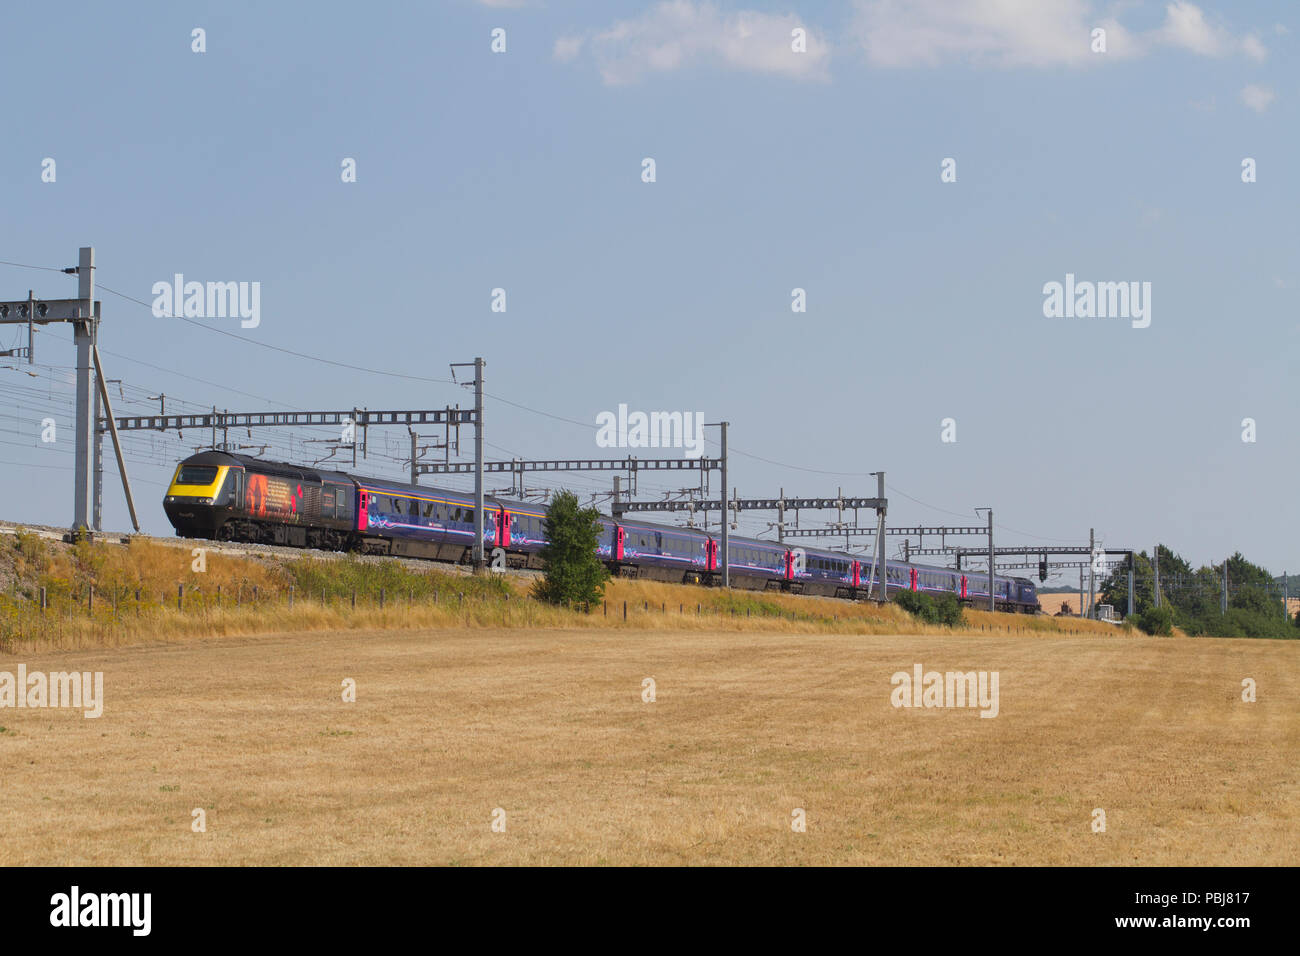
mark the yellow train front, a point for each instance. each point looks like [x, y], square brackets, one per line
[201, 500]
[230, 497]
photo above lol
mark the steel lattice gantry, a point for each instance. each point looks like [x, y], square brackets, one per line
[574, 464]
[361, 418]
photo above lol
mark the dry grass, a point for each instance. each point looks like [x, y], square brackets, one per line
[549, 725]
[113, 618]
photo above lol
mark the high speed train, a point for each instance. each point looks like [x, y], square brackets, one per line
[230, 497]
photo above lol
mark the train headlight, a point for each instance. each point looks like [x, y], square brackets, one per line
[170, 498]
[205, 501]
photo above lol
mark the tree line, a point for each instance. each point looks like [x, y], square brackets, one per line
[1191, 598]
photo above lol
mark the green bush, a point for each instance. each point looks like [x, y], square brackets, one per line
[947, 611]
[944, 610]
[575, 576]
[1155, 620]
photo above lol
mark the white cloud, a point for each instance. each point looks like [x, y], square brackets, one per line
[994, 32]
[1256, 97]
[1185, 27]
[566, 48]
[679, 33]
[1253, 48]
[1015, 33]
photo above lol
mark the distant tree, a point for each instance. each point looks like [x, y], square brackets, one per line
[1193, 598]
[574, 573]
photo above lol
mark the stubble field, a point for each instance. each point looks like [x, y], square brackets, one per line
[451, 727]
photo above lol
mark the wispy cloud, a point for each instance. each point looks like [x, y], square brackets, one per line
[1257, 97]
[681, 33]
[1028, 33]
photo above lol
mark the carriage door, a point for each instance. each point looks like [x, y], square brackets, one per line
[503, 528]
[711, 553]
[963, 585]
[789, 565]
[857, 573]
[914, 576]
[618, 542]
[363, 501]
[237, 489]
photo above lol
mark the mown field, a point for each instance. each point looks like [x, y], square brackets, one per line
[548, 724]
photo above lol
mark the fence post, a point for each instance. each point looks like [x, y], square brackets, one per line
[625, 610]
[381, 599]
[218, 595]
[291, 596]
[255, 593]
[354, 599]
[180, 597]
[90, 600]
[44, 605]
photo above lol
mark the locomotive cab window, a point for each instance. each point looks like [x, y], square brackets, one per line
[197, 475]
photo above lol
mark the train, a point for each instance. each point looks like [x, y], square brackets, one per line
[225, 496]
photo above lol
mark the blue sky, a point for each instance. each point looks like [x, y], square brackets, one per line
[775, 170]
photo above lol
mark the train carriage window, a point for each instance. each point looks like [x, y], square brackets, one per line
[429, 507]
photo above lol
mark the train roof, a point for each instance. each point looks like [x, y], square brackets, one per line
[282, 468]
